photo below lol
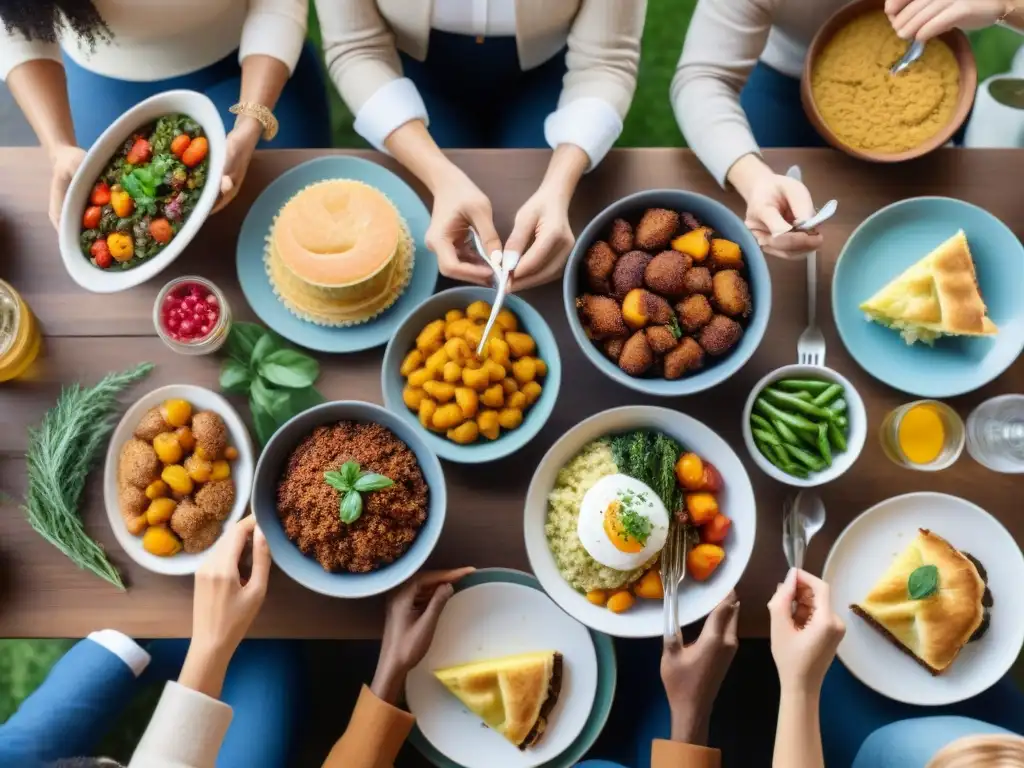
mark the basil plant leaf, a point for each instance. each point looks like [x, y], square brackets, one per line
[337, 481]
[235, 377]
[266, 345]
[288, 368]
[242, 340]
[350, 471]
[924, 581]
[351, 507]
[371, 481]
[264, 424]
[273, 401]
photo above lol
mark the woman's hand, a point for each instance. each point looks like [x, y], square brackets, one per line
[692, 674]
[412, 614]
[458, 205]
[241, 143]
[925, 19]
[774, 204]
[65, 160]
[804, 639]
[224, 605]
[542, 235]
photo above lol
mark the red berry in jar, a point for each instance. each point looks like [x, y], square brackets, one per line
[190, 313]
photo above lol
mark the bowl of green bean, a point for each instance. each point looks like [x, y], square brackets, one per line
[804, 425]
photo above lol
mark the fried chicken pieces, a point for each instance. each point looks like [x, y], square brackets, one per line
[659, 302]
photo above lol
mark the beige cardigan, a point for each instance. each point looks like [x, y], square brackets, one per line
[362, 38]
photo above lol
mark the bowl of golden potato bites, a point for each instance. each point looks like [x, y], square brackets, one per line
[667, 292]
[472, 408]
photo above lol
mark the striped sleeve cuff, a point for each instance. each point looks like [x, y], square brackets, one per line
[275, 35]
[388, 109]
[122, 646]
[590, 123]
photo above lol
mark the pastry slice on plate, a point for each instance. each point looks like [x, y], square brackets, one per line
[937, 296]
[513, 695]
[930, 603]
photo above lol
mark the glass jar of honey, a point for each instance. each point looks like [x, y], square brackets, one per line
[20, 336]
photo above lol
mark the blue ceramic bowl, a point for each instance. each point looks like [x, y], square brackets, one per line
[724, 222]
[306, 570]
[508, 441]
[895, 238]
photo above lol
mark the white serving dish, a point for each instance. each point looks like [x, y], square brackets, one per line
[191, 103]
[696, 599]
[202, 399]
[856, 413]
[866, 549]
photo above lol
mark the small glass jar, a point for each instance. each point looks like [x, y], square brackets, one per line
[20, 336]
[204, 345]
[953, 436]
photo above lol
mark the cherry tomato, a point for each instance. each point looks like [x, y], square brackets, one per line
[180, 144]
[139, 153]
[101, 254]
[196, 152]
[100, 194]
[161, 230]
[715, 531]
[91, 219]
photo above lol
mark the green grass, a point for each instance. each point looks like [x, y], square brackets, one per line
[650, 123]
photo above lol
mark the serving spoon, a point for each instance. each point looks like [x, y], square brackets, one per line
[503, 264]
[912, 54]
[803, 517]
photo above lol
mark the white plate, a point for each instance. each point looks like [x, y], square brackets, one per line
[696, 599]
[867, 548]
[82, 271]
[490, 621]
[201, 399]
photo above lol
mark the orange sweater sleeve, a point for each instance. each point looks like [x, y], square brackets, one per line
[675, 754]
[375, 734]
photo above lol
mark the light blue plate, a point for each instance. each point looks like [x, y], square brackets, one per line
[893, 239]
[256, 284]
[607, 672]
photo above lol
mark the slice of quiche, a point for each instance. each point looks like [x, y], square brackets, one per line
[937, 296]
[513, 695]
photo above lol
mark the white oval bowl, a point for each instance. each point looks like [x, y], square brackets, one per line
[696, 599]
[201, 399]
[856, 413]
[191, 103]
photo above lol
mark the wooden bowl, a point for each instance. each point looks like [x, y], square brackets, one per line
[955, 39]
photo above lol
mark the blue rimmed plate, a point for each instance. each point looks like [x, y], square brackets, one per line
[884, 246]
[602, 701]
[256, 285]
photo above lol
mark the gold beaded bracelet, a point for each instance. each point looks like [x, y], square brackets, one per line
[259, 113]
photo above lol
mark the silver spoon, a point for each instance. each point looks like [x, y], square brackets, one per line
[803, 517]
[509, 261]
[826, 212]
[913, 54]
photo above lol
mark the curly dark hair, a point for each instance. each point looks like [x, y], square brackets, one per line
[44, 19]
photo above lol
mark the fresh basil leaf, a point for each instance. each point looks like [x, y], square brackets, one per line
[337, 481]
[350, 471]
[273, 401]
[242, 340]
[371, 481]
[235, 377]
[289, 368]
[303, 399]
[924, 581]
[264, 424]
[351, 507]
[266, 344]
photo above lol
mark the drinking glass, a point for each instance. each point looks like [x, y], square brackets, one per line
[953, 436]
[995, 434]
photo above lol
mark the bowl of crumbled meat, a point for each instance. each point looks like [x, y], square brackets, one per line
[351, 499]
[667, 292]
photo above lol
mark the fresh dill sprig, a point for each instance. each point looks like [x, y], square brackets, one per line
[61, 452]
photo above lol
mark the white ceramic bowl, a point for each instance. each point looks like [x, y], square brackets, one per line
[191, 103]
[696, 599]
[856, 413]
[201, 399]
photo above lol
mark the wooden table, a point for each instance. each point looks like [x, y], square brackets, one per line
[87, 335]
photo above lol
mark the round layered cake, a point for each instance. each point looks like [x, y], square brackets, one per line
[339, 253]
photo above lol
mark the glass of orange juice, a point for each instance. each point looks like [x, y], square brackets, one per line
[20, 337]
[926, 435]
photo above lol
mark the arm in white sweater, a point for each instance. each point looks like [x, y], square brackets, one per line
[275, 28]
[186, 731]
[723, 44]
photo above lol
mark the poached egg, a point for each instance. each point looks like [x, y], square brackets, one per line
[622, 523]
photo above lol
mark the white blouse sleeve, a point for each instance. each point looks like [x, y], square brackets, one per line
[15, 50]
[275, 28]
[186, 731]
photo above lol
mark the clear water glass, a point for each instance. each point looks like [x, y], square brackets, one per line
[995, 434]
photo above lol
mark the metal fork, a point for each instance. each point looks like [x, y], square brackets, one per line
[673, 571]
[810, 347]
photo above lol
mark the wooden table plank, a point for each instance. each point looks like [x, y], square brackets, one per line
[41, 594]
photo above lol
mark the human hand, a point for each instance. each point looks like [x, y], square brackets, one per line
[692, 674]
[65, 160]
[458, 205]
[412, 614]
[925, 19]
[241, 143]
[804, 642]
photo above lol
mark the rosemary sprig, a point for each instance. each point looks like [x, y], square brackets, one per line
[61, 451]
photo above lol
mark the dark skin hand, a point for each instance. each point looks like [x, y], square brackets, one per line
[693, 673]
[413, 611]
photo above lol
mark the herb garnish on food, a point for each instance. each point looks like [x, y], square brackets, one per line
[650, 457]
[634, 524]
[352, 482]
[61, 451]
[923, 582]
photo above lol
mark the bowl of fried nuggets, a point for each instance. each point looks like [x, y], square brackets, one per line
[667, 292]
